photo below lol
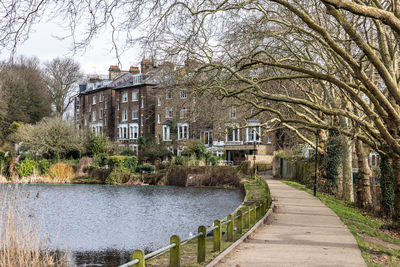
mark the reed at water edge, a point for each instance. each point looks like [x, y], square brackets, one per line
[21, 240]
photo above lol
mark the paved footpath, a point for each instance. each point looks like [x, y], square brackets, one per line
[301, 232]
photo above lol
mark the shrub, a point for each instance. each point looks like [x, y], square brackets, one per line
[53, 137]
[120, 168]
[130, 163]
[178, 161]
[26, 167]
[146, 168]
[95, 145]
[61, 171]
[5, 160]
[44, 166]
[128, 152]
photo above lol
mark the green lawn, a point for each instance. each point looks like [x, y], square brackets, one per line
[378, 248]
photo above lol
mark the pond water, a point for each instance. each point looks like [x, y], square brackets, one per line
[101, 224]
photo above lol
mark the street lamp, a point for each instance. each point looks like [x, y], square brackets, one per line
[254, 158]
[316, 162]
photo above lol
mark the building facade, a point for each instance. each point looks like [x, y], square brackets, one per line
[131, 104]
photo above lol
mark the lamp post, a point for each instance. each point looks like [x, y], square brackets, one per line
[316, 162]
[254, 159]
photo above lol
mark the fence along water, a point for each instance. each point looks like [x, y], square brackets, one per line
[244, 218]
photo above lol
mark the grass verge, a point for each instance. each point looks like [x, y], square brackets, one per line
[254, 192]
[377, 246]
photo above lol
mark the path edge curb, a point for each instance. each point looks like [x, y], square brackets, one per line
[242, 239]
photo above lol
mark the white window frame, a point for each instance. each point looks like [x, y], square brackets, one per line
[166, 133]
[141, 121]
[94, 100]
[135, 112]
[94, 115]
[101, 114]
[168, 95]
[101, 97]
[142, 103]
[135, 96]
[158, 118]
[183, 131]
[169, 113]
[133, 131]
[269, 140]
[253, 134]
[235, 134]
[124, 114]
[203, 134]
[233, 112]
[125, 97]
[183, 94]
[123, 132]
[182, 112]
[159, 101]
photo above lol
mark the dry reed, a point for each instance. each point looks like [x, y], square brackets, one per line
[21, 241]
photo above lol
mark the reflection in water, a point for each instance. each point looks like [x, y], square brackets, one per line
[102, 224]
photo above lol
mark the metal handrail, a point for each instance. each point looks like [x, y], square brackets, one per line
[212, 228]
[192, 237]
[159, 251]
[208, 230]
[225, 222]
[131, 263]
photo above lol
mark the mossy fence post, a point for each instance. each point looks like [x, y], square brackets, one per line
[175, 252]
[201, 244]
[217, 235]
[253, 215]
[239, 222]
[247, 217]
[229, 228]
[138, 254]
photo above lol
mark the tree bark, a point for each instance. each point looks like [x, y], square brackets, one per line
[396, 203]
[364, 198]
[348, 193]
[340, 182]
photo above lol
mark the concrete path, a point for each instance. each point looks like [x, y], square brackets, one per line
[301, 232]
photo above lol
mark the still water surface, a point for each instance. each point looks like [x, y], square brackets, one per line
[102, 224]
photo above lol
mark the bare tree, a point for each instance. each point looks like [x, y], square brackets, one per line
[23, 92]
[62, 75]
[350, 48]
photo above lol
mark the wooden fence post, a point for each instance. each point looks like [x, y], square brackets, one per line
[138, 254]
[229, 228]
[175, 252]
[247, 217]
[253, 215]
[239, 224]
[201, 244]
[217, 235]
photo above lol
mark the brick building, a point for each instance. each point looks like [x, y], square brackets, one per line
[147, 103]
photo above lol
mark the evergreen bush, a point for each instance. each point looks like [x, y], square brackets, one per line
[26, 167]
[44, 166]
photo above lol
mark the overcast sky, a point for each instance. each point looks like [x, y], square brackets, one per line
[96, 60]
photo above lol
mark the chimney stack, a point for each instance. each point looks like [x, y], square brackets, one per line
[146, 65]
[113, 72]
[134, 70]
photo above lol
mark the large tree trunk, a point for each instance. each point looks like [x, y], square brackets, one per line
[396, 204]
[348, 193]
[340, 182]
[364, 199]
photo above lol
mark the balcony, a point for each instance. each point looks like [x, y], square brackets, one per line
[234, 143]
